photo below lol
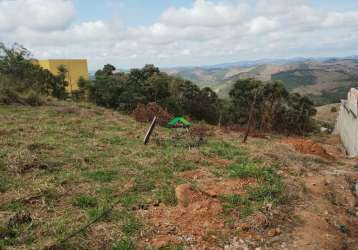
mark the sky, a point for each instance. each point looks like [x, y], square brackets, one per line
[132, 33]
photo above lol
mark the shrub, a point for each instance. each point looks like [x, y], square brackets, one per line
[23, 82]
[146, 113]
[201, 131]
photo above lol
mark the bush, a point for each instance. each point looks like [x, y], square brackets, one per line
[146, 113]
[201, 131]
[9, 96]
[23, 82]
[34, 99]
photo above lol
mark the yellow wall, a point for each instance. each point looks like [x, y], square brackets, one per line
[75, 67]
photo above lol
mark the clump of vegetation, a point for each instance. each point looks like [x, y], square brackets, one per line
[85, 202]
[130, 224]
[269, 188]
[125, 91]
[146, 113]
[125, 244]
[181, 166]
[272, 107]
[223, 149]
[24, 82]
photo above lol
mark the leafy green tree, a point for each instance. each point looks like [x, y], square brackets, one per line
[242, 96]
[274, 108]
[17, 66]
[295, 117]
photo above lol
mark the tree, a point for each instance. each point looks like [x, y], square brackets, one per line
[205, 106]
[107, 70]
[295, 117]
[270, 107]
[242, 96]
[17, 66]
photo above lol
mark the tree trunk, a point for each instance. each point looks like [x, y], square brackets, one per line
[250, 118]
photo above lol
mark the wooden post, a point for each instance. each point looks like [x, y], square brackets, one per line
[150, 131]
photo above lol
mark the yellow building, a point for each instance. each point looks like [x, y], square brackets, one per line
[76, 68]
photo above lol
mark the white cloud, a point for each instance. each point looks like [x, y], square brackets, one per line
[36, 14]
[262, 24]
[207, 32]
[205, 13]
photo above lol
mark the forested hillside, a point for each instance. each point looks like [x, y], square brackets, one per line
[325, 81]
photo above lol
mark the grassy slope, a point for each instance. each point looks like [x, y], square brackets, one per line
[66, 164]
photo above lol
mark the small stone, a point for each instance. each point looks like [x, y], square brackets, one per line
[274, 232]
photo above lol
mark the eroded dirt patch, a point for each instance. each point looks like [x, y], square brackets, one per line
[215, 187]
[328, 220]
[309, 147]
[195, 220]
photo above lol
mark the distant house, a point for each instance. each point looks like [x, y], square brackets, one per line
[347, 123]
[76, 68]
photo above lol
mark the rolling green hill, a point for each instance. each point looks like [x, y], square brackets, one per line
[325, 81]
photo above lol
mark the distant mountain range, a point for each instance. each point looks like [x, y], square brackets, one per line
[325, 80]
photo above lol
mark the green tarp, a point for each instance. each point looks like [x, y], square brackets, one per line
[179, 121]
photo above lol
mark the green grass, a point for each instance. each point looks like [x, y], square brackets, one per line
[236, 202]
[4, 178]
[183, 165]
[101, 175]
[128, 200]
[269, 189]
[15, 206]
[245, 170]
[85, 202]
[344, 229]
[223, 149]
[166, 194]
[143, 184]
[124, 245]
[130, 223]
